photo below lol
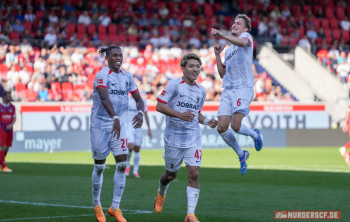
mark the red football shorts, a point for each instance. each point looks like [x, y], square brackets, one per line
[6, 138]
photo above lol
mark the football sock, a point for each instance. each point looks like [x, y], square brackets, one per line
[163, 188]
[230, 140]
[2, 158]
[192, 199]
[244, 130]
[347, 146]
[129, 157]
[137, 157]
[97, 179]
[6, 152]
[119, 184]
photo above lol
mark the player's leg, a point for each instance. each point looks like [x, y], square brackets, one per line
[131, 147]
[99, 146]
[3, 150]
[193, 159]
[227, 135]
[120, 153]
[137, 157]
[173, 160]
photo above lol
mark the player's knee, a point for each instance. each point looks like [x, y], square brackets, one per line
[221, 129]
[99, 169]
[236, 127]
[121, 167]
[193, 176]
[171, 175]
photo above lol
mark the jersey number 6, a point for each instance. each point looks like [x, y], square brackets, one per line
[238, 102]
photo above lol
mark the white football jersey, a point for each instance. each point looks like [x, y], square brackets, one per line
[182, 97]
[133, 109]
[118, 85]
[238, 63]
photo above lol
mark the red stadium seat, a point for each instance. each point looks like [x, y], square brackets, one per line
[122, 38]
[81, 28]
[57, 84]
[102, 37]
[112, 37]
[28, 25]
[334, 23]
[208, 10]
[301, 33]
[329, 11]
[112, 29]
[67, 91]
[113, 5]
[284, 41]
[39, 15]
[91, 29]
[316, 7]
[293, 40]
[325, 23]
[319, 41]
[14, 35]
[194, 6]
[71, 28]
[294, 8]
[328, 33]
[345, 35]
[307, 8]
[102, 29]
[21, 90]
[317, 23]
[184, 5]
[336, 34]
[340, 12]
[18, 68]
[348, 9]
[216, 7]
[91, 78]
[132, 38]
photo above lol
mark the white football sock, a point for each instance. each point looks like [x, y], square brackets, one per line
[137, 157]
[119, 184]
[97, 179]
[163, 188]
[244, 130]
[230, 140]
[129, 157]
[192, 199]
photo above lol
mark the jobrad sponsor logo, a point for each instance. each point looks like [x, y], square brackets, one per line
[187, 105]
[118, 92]
[321, 215]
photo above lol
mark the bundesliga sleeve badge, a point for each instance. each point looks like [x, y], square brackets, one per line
[100, 81]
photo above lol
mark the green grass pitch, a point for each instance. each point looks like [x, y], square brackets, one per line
[57, 186]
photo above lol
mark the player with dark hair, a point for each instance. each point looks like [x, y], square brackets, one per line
[238, 80]
[181, 101]
[7, 119]
[108, 126]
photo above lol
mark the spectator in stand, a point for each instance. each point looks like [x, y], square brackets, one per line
[34, 84]
[194, 41]
[334, 50]
[80, 7]
[40, 65]
[50, 38]
[155, 21]
[54, 94]
[163, 11]
[319, 13]
[312, 33]
[115, 19]
[53, 18]
[301, 23]
[275, 14]
[18, 27]
[26, 35]
[345, 24]
[263, 28]
[286, 12]
[321, 33]
[64, 16]
[154, 40]
[94, 19]
[41, 6]
[24, 75]
[68, 6]
[342, 3]
[102, 8]
[332, 62]
[143, 21]
[94, 7]
[304, 43]
[55, 6]
[11, 58]
[25, 46]
[43, 93]
[341, 58]
[104, 19]
[19, 15]
[343, 70]
[84, 18]
[12, 77]
[72, 17]
[30, 16]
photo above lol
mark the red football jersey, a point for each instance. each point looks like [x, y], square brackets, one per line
[7, 113]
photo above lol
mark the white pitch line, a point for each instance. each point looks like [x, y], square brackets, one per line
[53, 217]
[71, 206]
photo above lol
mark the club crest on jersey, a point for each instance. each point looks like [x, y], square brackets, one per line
[126, 84]
[197, 99]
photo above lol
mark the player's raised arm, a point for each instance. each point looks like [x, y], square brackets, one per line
[240, 42]
[221, 67]
[138, 119]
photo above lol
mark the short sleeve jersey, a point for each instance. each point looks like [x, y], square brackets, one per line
[7, 113]
[181, 97]
[133, 109]
[238, 63]
[118, 85]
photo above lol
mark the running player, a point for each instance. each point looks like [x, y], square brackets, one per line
[135, 137]
[181, 101]
[108, 126]
[7, 119]
[342, 150]
[238, 79]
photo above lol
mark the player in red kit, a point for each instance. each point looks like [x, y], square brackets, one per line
[7, 119]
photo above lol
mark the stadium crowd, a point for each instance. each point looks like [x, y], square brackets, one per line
[59, 60]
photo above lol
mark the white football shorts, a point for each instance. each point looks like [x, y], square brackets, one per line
[235, 101]
[102, 142]
[134, 136]
[174, 157]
